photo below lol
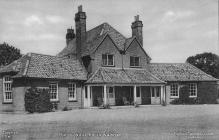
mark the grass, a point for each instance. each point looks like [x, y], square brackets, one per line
[144, 123]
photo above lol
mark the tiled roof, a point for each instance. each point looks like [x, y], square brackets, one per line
[94, 37]
[123, 76]
[46, 66]
[179, 72]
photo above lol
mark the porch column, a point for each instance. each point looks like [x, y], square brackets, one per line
[162, 95]
[105, 95]
[135, 98]
[88, 96]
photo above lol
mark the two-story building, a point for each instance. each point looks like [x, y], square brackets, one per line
[101, 66]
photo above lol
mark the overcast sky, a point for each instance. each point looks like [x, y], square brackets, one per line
[173, 29]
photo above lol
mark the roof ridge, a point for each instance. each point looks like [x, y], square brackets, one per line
[42, 54]
[201, 71]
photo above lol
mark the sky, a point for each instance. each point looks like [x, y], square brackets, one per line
[173, 30]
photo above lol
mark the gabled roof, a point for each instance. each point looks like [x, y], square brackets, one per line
[123, 76]
[94, 37]
[45, 66]
[179, 72]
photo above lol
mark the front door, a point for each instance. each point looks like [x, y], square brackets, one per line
[145, 95]
[155, 95]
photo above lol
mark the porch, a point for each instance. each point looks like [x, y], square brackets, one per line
[123, 95]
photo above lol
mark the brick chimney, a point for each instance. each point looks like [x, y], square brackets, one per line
[70, 35]
[137, 29]
[80, 26]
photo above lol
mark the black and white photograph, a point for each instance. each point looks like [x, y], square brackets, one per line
[109, 70]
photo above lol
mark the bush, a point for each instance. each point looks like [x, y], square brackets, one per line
[105, 106]
[37, 100]
[65, 108]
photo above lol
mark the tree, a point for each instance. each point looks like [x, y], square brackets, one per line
[8, 54]
[207, 62]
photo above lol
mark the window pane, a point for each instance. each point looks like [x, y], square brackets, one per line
[136, 61]
[131, 61]
[158, 92]
[104, 59]
[110, 60]
[138, 91]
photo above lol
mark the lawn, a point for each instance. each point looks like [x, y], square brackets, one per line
[173, 122]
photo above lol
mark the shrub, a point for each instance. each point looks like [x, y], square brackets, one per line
[65, 108]
[136, 104]
[37, 100]
[105, 106]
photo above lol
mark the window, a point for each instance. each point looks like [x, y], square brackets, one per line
[107, 60]
[174, 92]
[134, 61]
[158, 92]
[53, 90]
[86, 92]
[7, 89]
[110, 91]
[71, 92]
[153, 92]
[138, 92]
[192, 90]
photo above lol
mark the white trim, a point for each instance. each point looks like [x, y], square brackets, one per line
[134, 62]
[73, 85]
[4, 91]
[173, 97]
[57, 91]
[194, 96]
[107, 55]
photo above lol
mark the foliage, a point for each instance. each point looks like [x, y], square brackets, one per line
[37, 100]
[8, 54]
[207, 62]
[136, 104]
[105, 106]
[65, 108]
[184, 97]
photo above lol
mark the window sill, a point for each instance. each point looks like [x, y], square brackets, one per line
[53, 101]
[192, 96]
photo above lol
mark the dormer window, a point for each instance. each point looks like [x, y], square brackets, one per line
[134, 61]
[107, 60]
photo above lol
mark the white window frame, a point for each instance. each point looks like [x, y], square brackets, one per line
[112, 93]
[134, 61]
[107, 60]
[190, 90]
[72, 90]
[171, 96]
[57, 91]
[5, 100]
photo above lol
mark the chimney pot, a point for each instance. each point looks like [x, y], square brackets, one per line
[137, 18]
[80, 8]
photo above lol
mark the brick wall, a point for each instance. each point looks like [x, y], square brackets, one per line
[135, 50]
[206, 91]
[107, 46]
[19, 88]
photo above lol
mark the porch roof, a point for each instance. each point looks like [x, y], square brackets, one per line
[123, 76]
